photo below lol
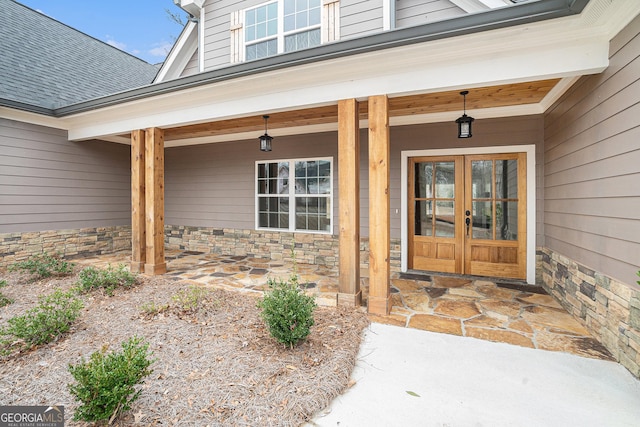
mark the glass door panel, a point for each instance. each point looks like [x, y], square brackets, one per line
[495, 208]
[434, 186]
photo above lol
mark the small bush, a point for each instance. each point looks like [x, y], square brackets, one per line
[51, 318]
[191, 299]
[638, 275]
[106, 383]
[287, 311]
[43, 266]
[151, 308]
[4, 300]
[108, 279]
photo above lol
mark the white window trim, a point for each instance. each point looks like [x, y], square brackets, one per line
[530, 150]
[264, 39]
[292, 196]
[280, 36]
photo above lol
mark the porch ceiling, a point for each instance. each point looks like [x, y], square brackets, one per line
[489, 97]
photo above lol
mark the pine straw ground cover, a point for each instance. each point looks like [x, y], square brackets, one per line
[217, 366]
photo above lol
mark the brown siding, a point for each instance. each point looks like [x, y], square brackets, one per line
[213, 185]
[49, 183]
[592, 166]
[525, 130]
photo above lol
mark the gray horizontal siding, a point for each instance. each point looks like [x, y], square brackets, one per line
[360, 17]
[592, 166]
[49, 183]
[217, 42]
[192, 66]
[418, 12]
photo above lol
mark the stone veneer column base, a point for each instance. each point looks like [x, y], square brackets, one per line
[71, 243]
[608, 308]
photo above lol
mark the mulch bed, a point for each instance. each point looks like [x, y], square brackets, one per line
[217, 366]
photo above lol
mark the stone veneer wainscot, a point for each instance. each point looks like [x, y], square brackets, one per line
[608, 308]
[72, 243]
[318, 249]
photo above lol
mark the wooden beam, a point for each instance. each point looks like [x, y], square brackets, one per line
[138, 223]
[426, 103]
[304, 117]
[379, 228]
[349, 202]
[154, 198]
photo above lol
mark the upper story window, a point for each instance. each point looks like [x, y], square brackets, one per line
[281, 26]
[261, 31]
[301, 24]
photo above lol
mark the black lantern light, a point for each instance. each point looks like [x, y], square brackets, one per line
[464, 121]
[265, 140]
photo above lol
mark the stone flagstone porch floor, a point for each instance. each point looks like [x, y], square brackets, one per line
[502, 312]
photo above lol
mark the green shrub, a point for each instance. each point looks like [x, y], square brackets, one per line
[4, 300]
[287, 311]
[43, 266]
[191, 299]
[151, 308]
[108, 279]
[52, 317]
[105, 385]
[638, 275]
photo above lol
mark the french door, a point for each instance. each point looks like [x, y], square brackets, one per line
[467, 214]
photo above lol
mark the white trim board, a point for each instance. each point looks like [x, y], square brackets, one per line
[530, 150]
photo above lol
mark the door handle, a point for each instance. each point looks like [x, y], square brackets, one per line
[467, 221]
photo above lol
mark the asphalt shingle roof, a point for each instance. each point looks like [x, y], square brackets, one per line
[48, 64]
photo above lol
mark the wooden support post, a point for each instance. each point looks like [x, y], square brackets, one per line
[379, 229]
[138, 224]
[349, 202]
[154, 198]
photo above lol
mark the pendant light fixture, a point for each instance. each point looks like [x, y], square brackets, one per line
[265, 140]
[464, 121]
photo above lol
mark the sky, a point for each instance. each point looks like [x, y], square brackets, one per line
[140, 27]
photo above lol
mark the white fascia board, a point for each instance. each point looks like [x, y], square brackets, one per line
[406, 71]
[33, 118]
[180, 54]
[509, 55]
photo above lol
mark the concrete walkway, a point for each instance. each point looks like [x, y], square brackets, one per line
[406, 377]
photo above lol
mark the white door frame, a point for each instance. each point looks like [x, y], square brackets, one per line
[530, 150]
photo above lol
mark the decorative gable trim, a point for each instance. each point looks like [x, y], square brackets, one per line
[330, 26]
[181, 53]
[235, 28]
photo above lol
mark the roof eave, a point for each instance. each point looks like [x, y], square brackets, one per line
[30, 108]
[500, 18]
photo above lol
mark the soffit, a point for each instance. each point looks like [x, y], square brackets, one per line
[479, 98]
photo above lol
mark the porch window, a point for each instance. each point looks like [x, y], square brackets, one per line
[294, 195]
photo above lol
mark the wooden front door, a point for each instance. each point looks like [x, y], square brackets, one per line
[467, 214]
